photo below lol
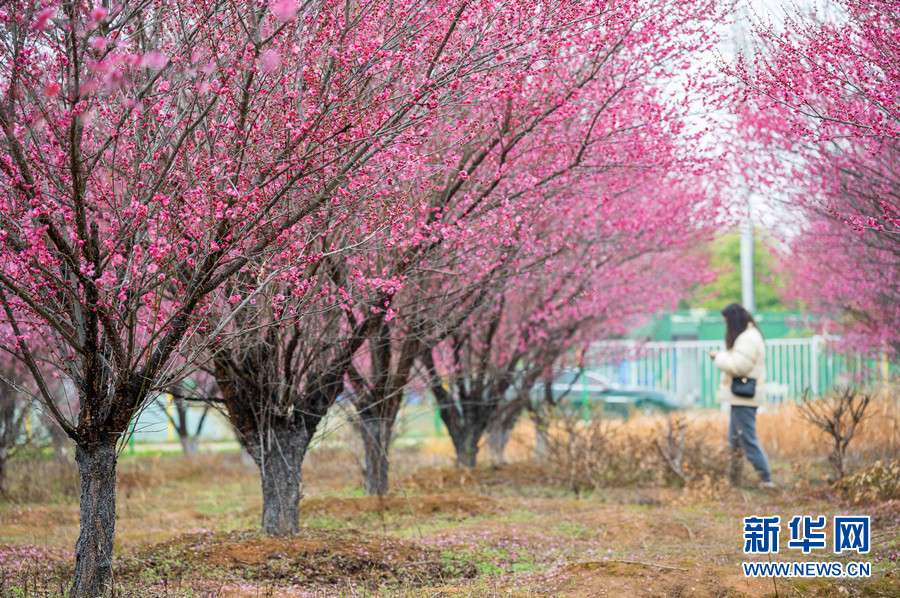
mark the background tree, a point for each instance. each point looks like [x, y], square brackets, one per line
[585, 291]
[724, 256]
[837, 266]
[198, 390]
[834, 71]
[821, 112]
[523, 168]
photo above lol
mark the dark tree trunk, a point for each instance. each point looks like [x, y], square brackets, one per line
[376, 436]
[839, 462]
[279, 459]
[189, 444]
[466, 445]
[93, 552]
[468, 414]
[275, 429]
[12, 417]
[377, 398]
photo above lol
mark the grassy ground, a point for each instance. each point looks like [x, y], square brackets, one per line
[186, 528]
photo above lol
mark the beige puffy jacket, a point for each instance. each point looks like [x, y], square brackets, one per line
[747, 358]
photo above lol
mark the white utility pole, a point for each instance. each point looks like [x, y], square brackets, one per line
[741, 45]
[748, 292]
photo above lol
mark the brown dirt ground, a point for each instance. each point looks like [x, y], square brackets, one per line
[685, 542]
[633, 580]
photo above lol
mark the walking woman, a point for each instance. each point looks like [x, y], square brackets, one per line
[743, 387]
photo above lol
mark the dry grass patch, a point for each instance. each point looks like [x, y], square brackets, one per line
[314, 558]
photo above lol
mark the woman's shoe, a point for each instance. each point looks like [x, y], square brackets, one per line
[768, 485]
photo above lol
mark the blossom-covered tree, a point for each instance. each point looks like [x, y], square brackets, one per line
[821, 109]
[514, 188]
[434, 301]
[604, 309]
[152, 158]
[409, 211]
[843, 268]
[606, 273]
[829, 77]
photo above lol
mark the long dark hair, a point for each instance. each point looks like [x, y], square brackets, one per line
[736, 320]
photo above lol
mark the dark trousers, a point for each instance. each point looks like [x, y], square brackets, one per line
[742, 437]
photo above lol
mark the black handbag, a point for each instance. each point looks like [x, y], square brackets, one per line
[743, 387]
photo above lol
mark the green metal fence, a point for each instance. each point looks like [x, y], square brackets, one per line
[684, 370]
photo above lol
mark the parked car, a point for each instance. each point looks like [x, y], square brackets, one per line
[591, 392]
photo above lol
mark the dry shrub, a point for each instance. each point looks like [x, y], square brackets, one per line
[876, 483]
[582, 455]
[786, 435]
[838, 416]
[690, 455]
[699, 444]
[587, 455]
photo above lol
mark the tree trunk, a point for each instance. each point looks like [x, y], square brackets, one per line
[466, 445]
[497, 439]
[189, 445]
[279, 460]
[376, 436]
[93, 552]
[838, 458]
